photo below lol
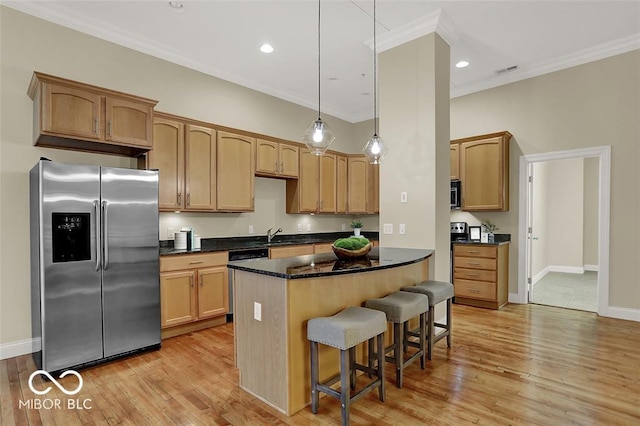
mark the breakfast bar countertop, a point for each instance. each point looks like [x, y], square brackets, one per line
[326, 264]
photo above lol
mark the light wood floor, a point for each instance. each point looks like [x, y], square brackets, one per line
[525, 364]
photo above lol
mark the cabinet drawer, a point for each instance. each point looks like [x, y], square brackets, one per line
[475, 274]
[474, 250]
[474, 263]
[193, 261]
[475, 289]
[323, 248]
[290, 251]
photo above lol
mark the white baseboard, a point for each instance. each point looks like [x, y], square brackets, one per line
[21, 347]
[514, 298]
[540, 275]
[621, 313]
[591, 268]
[568, 269]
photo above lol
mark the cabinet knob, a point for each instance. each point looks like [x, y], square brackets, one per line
[179, 198]
[110, 126]
[191, 281]
[201, 281]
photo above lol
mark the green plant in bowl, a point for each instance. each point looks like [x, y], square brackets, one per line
[351, 243]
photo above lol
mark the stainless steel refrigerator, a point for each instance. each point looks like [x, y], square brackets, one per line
[95, 286]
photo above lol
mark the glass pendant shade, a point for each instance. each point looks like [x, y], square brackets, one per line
[318, 137]
[375, 149]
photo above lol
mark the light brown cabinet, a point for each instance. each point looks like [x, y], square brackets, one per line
[276, 159]
[342, 184]
[185, 155]
[358, 188]
[235, 174]
[193, 288]
[73, 115]
[302, 194]
[290, 251]
[328, 184]
[484, 172]
[481, 274]
[454, 153]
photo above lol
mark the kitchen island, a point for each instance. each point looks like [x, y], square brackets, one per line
[274, 299]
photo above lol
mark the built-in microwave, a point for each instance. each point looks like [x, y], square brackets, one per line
[456, 196]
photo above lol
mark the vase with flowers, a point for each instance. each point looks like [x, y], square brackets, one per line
[489, 227]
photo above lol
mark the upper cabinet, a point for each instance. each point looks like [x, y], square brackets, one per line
[73, 115]
[235, 174]
[342, 184]
[484, 172]
[185, 155]
[276, 159]
[358, 188]
[303, 193]
[328, 177]
[454, 152]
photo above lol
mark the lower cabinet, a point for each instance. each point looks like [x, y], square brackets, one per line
[481, 274]
[193, 288]
[290, 251]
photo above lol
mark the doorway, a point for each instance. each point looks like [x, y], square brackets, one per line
[528, 269]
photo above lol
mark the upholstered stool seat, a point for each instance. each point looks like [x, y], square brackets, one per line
[437, 292]
[399, 308]
[345, 331]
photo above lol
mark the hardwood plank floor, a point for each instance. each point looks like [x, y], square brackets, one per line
[524, 364]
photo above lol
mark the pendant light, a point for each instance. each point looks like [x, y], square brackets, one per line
[318, 135]
[375, 149]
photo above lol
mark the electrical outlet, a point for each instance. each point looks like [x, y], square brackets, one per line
[404, 197]
[251, 229]
[344, 227]
[401, 228]
[299, 227]
[387, 228]
[308, 227]
[170, 234]
[257, 311]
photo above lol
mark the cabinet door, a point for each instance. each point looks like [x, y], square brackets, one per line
[200, 168]
[71, 112]
[267, 161]
[375, 188]
[128, 122]
[308, 181]
[288, 155]
[358, 176]
[454, 160]
[327, 183]
[213, 292]
[236, 164]
[482, 172]
[342, 184]
[167, 156]
[178, 298]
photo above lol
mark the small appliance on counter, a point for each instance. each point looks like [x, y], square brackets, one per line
[459, 232]
[456, 196]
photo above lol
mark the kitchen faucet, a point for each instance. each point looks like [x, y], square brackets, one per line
[270, 235]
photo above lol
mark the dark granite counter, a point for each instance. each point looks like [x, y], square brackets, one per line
[326, 264]
[499, 239]
[245, 243]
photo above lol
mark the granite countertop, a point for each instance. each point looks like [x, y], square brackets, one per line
[245, 243]
[499, 239]
[326, 264]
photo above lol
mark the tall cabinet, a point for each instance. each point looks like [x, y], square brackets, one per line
[236, 168]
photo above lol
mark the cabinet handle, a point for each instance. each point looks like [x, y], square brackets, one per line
[188, 199]
[191, 280]
[201, 284]
[110, 126]
[281, 167]
[179, 198]
[95, 126]
[473, 264]
[473, 275]
[276, 164]
[474, 290]
[473, 251]
[195, 262]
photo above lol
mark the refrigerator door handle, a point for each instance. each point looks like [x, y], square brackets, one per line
[96, 208]
[105, 233]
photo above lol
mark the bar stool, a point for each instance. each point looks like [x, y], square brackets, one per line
[436, 291]
[400, 307]
[345, 331]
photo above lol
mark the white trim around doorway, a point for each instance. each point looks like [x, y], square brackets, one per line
[603, 153]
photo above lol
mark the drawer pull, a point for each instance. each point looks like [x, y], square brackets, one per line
[195, 262]
[473, 275]
[473, 251]
[474, 290]
[473, 264]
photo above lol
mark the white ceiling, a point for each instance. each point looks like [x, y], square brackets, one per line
[221, 38]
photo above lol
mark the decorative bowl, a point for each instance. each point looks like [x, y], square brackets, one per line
[351, 254]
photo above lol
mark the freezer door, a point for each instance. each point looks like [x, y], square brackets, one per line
[68, 292]
[130, 276]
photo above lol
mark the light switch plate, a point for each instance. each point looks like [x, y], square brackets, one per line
[401, 228]
[308, 227]
[387, 228]
[299, 227]
[257, 311]
[404, 197]
[251, 229]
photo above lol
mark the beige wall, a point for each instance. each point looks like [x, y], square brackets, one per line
[586, 106]
[414, 122]
[591, 201]
[29, 44]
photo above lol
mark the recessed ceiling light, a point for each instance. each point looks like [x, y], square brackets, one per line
[176, 6]
[462, 64]
[266, 48]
